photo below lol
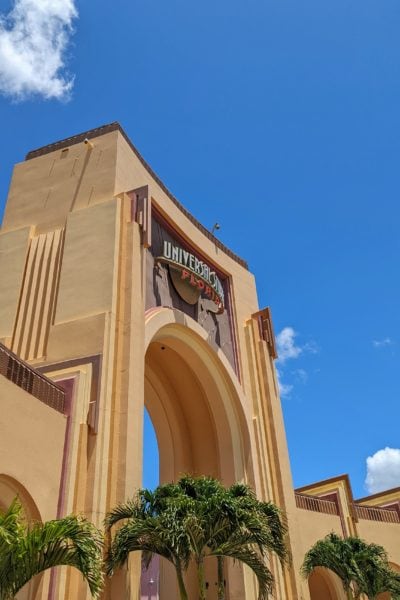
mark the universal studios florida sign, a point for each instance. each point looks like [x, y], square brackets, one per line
[192, 277]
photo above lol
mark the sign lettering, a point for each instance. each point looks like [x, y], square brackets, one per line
[195, 272]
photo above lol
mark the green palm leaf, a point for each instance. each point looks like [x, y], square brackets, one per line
[363, 568]
[26, 551]
[197, 518]
[256, 563]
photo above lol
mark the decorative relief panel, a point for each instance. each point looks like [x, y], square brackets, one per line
[165, 276]
[38, 295]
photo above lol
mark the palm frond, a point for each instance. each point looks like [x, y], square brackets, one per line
[162, 535]
[196, 517]
[329, 553]
[11, 522]
[362, 567]
[122, 511]
[71, 541]
[256, 563]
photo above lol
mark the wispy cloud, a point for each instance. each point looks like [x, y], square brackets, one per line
[34, 37]
[383, 470]
[284, 388]
[387, 341]
[289, 349]
[286, 345]
[300, 375]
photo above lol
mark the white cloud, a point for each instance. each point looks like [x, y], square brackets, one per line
[286, 345]
[387, 341]
[288, 349]
[284, 388]
[383, 470]
[33, 40]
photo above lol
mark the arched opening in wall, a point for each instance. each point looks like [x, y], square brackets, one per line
[325, 585]
[194, 411]
[149, 581]
[151, 456]
[10, 488]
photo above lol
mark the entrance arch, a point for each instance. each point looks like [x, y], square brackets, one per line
[195, 401]
[196, 405]
[10, 488]
[325, 585]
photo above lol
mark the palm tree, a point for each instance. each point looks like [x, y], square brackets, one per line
[363, 568]
[264, 526]
[153, 526]
[27, 550]
[377, 581]
[194, 519]
[377, 576]
[231, 522]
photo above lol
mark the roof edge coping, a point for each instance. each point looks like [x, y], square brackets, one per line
[115, 126]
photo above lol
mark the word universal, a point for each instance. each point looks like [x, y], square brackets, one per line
[206, 279]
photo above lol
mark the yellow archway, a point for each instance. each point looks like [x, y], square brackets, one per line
[196, 405]
[325, 585]
[10, 488]
[189, 386]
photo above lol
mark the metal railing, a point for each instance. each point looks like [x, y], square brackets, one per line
[316, 504]
[30, 380]
[373, 513]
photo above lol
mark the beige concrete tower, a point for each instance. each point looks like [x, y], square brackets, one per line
[111, 289]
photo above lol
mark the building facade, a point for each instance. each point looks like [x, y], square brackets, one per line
[114, 298]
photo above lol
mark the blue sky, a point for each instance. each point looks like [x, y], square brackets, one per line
[281, 121]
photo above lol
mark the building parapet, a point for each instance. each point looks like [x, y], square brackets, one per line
[115, 126]
[374, 513]
[30, 380]
[316, 504]
[370, 513]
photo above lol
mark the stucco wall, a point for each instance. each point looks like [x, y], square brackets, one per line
[88, 266]
[32, 444]
[13, 250]
[385, 534]
[43, 190]
[313, 526]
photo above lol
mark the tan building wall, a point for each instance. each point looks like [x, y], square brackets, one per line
[31, 451]
[85, 300]
[385, 534]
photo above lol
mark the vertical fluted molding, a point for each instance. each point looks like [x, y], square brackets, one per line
[38, 295]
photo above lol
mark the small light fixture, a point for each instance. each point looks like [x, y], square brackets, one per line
[216, 226]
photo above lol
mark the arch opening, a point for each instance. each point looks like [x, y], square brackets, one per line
[10, 488]
[325, 585]
[149, 579]
[177, 404]
[196, 412]
[151, 455]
